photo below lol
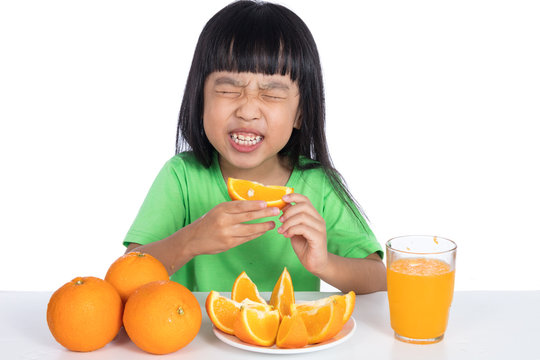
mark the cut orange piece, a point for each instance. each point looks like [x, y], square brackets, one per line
[282, 297]
[222, 311]
[292, 332]
[323, 318]
[250, 190]
[244, 288]
[256, 326]
[255, 305]
[350, 299]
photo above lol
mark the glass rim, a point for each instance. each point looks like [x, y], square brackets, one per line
[435, 237]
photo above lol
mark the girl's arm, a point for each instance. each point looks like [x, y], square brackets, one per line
[359, 275]
[219, 230]
[172, 251]
[307, 230]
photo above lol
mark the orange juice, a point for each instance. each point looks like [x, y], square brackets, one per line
[419, 294]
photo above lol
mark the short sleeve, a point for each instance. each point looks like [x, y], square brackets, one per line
[163, 210]
[347, 231]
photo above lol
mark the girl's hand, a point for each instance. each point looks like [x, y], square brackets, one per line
[307, 230]
[223, 227]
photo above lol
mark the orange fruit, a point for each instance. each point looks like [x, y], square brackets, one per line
[255, 305]
[292, 332]
[222, 311]
[282, 297]
[244, 288]
[350, 299]
[323, 318]
[132, 270]
[250, 190]
[162, 317]
[247, 315]
[257, 325]
[84, 314]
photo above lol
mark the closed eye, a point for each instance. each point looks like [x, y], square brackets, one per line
[273, 97]
[229, 93]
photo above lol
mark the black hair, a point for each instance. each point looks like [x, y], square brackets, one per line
[261, 37]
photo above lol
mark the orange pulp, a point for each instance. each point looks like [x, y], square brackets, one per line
[420, 292]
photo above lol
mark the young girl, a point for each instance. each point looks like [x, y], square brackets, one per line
[253, 109]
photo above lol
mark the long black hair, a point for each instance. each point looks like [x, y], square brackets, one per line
[261, 37]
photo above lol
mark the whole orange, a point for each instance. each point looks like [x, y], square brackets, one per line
[162, 317]
[85, 314]
[132, 270]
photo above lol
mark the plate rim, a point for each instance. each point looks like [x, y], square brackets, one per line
[225, 338]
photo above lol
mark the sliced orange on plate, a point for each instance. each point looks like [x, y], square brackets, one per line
[292, 332]
[350, 299]
[282, 297]
[244, 288]
[257, 326]
[222, 311]
[240, 189]
[323, 318]
[282, 321]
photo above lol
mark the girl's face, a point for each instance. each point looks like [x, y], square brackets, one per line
[249, 117]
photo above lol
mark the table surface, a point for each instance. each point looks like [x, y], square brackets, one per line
[482, 325]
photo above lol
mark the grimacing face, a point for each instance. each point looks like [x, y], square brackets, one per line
[249, 117]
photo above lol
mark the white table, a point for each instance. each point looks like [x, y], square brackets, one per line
[482, 325]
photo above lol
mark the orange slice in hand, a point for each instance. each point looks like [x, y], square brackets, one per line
[292, 332]
[282, 297]
[256, 325]
[222, 311]
[323, 318]
[244, 288]
[250, 190]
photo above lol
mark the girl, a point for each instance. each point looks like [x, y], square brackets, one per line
[253, 108]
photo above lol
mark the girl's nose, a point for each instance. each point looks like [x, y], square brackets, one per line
[248, 108]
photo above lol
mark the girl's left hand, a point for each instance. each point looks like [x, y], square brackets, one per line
[307, 230]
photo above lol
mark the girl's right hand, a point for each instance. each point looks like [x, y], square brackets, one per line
[224, 226]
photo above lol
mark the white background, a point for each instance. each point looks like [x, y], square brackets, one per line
[431, 110]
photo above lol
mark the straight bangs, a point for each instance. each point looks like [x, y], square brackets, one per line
[257, 39]
[264, 38]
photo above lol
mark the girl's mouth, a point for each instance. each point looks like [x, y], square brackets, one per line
[245, 142]
[241, 139]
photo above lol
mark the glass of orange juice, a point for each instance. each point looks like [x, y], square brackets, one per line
[420, 276]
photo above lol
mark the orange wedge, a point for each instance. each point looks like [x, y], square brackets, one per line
[222, 311]
[250, 190]
[244, 288]
[350, 299]
[292, 332]
[256, 326]
[323, 318]
[283, 294]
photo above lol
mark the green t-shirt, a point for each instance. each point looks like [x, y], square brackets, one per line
[184, 190]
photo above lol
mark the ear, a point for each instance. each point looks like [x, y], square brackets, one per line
[298, 120]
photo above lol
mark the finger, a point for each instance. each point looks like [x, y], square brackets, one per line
[256, 214]
[302, 218]
[295, 198]
[244, 239]
[300, 209]
[295, 201]
[308, 232]
[240, 206]
[249, 230]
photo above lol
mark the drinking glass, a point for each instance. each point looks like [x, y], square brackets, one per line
[420, 277]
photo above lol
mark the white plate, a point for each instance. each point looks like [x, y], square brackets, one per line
[345, 333]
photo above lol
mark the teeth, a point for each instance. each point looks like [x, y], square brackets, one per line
[245, 139]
